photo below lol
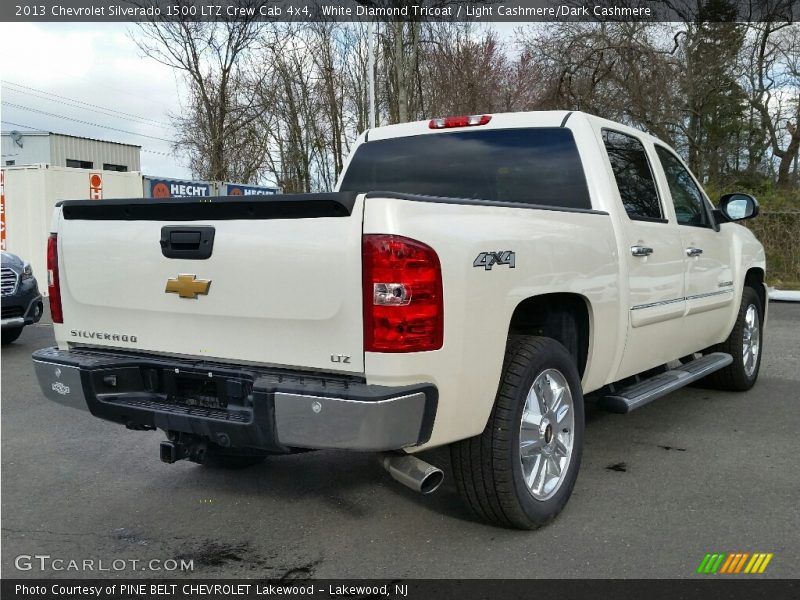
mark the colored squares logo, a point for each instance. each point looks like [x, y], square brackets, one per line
[734, 563]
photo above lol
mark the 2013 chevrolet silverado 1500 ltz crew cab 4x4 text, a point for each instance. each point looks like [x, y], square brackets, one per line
[471, 279]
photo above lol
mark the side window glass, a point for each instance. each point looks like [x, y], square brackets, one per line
[690, 207]
[633, 174]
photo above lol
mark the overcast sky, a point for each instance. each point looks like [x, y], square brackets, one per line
[90, 79]
[60, 69]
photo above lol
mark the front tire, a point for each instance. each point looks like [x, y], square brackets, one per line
[744, 344]
[521, 470]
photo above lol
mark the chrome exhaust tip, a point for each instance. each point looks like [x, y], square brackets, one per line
[412, 472]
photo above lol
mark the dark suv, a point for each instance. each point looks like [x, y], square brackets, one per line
[21, 301]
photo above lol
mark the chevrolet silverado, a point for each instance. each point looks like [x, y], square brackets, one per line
[468, 282]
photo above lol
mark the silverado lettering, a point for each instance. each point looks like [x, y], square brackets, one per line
[101, 335]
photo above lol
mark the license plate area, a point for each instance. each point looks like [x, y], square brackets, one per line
[205, 389]
[182, 387]
[196, 390]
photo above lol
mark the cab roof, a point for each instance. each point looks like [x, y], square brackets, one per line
[509, 120]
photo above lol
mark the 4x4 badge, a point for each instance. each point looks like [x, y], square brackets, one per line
[488, 259]
[188, 286]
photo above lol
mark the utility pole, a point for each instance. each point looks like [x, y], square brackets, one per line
[371, 75]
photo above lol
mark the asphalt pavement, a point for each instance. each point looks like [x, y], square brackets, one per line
[695, 472]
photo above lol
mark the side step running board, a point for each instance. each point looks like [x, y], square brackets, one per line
[639, 394]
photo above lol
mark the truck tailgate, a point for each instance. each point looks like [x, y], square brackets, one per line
[284, 273]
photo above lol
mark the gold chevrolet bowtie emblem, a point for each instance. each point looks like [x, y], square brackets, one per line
[188, 286]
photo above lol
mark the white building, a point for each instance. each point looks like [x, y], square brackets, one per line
[59, 150]
[41, 168]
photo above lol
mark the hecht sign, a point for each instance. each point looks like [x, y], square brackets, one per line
[171, 188]
[236, 189]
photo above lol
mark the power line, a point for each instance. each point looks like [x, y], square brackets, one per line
[156, 152]
[94, 110]
[81, 102]
[20, 125]
[49, 114]
[39, 129]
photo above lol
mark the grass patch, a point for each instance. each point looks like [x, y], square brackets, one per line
[777, 227]
[779, 231]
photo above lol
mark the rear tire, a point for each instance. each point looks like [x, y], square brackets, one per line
[744, 344]
[521, 470]
[11, 334]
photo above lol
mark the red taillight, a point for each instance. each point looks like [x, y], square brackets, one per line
[403, 310]
[465, 121]
[53, 285]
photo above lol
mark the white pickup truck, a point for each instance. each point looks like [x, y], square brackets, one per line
[467, 284]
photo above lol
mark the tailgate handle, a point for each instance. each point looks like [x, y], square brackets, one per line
[181, 241]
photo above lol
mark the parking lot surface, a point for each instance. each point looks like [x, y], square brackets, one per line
[695, 472]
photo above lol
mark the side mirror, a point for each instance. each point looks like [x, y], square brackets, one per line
[738, 206]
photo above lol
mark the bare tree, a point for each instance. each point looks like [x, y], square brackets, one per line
[615, 70]
[773, 68]
[467, 71]
[284, 102]
[214, 57]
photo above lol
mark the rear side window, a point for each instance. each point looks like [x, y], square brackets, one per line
[527, 166]
[637, 189]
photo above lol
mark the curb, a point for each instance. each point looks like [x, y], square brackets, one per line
[783, 295]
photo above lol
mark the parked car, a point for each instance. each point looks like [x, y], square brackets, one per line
[468, 282]
[21, 301]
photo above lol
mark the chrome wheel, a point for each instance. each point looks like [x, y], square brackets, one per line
[546, 434]
[751, 340]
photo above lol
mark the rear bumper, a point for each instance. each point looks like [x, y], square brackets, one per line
[267, 409]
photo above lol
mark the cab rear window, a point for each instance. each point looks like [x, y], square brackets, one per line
[527, 166]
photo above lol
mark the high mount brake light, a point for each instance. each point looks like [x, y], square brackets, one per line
[53, 283]
[403, 308]
[463, 121]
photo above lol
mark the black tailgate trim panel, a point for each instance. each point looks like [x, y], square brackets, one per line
[218, 208]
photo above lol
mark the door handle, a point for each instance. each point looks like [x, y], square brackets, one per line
[691, 251]
[192, 243]
[641, 250]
